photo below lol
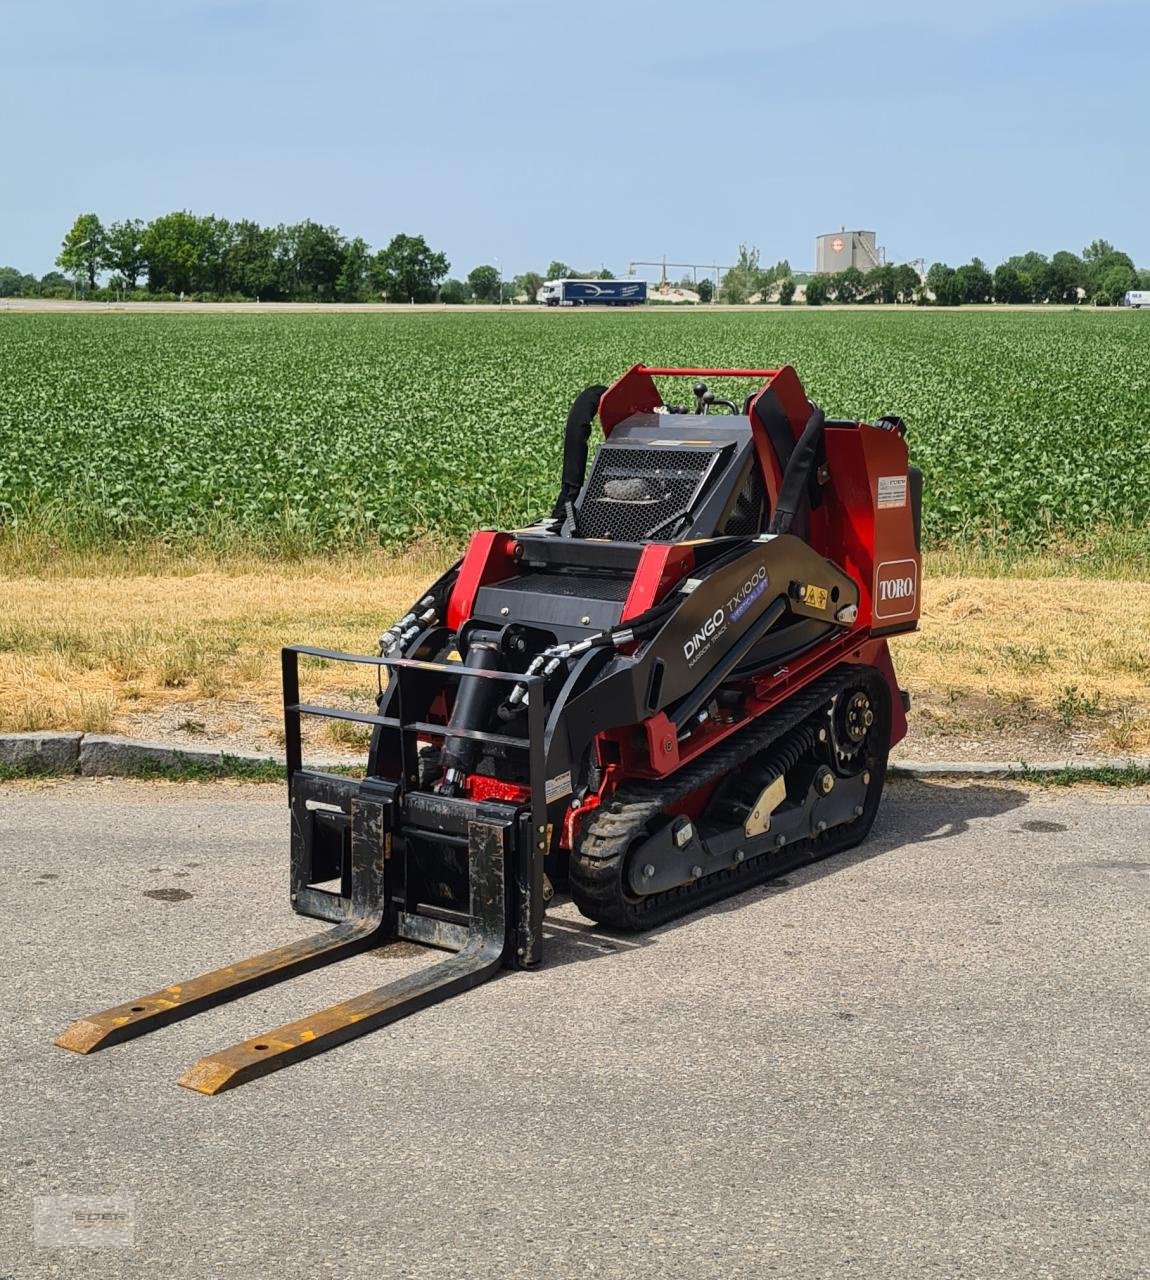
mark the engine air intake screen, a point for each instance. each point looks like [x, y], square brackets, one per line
[635, 495]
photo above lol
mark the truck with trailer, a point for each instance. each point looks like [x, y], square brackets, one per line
[592, 293]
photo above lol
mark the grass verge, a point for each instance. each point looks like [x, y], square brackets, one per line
[1101, 776]
[1033, 666]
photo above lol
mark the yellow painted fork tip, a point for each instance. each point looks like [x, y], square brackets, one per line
[82, 1036]
[209, 1076]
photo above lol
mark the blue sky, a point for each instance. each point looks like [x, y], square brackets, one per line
[594, 131]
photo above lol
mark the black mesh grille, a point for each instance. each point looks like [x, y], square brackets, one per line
[586, 586]
[633, 494]
[746, 516]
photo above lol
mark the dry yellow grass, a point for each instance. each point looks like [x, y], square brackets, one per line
[100, 645]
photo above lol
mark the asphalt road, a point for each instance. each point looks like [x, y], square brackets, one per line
[928, 1058]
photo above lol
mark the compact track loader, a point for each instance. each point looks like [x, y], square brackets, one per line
[675, 686]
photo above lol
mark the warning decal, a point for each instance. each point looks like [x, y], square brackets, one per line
[891, 491]
[558, 786]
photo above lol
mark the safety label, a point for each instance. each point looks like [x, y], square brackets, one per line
[892, 491]
[558, 786]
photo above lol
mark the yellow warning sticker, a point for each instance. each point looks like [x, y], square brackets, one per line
[816, 597]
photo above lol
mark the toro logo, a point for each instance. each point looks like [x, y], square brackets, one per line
[705, 634]
[896, 589]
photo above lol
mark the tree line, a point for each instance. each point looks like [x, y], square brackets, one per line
[1101, 275]
[187, 255]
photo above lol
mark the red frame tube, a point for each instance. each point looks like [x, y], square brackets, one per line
[713, 373]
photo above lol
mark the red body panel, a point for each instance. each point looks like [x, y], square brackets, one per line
[489, 558]
[634, 392]
[870, 525]
[661, 566]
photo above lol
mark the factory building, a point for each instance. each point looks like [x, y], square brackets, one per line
[838, 250]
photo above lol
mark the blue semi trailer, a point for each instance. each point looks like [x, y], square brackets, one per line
[593, 293]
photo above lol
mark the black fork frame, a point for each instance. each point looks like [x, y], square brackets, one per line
[506, 845]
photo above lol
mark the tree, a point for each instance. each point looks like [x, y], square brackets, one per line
[123, 251]
[253, 262]
[818, 290]
[943, 282]
[743, 279]
[848, 285]
[454, 292]
[485, 283]
[1009, 286]
[560, 271]
[601, 274]
[1115, 283]
[1144, 278]
[881, 284]
[351, 283]
[786, 291]
[974, 281]
[317, 254]
[11, 283]
[1027, 264]
[766, 278]
[177, 247]
[1066, 275]
[1103, 263]
[83, 249]
[54, 285]
[906, 282]
[529, 283]
[408, 270]
[705, 290]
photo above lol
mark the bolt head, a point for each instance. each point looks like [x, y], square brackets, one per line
[739, 855]
[696, 871]
[858, 811]
[822, 735]
[866, 777]
[822, 826]
[780, 841]
[648, 871]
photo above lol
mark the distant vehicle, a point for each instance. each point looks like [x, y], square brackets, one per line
[1137, 298]
[593, 293]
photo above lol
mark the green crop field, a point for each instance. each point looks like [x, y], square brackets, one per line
[320, 431]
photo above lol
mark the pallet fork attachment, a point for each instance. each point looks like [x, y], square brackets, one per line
[504, 864]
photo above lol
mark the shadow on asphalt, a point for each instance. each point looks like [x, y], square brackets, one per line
[912, 812]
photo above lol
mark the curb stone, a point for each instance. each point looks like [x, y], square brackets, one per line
[106, 755]
[41, 752]
[102, 755]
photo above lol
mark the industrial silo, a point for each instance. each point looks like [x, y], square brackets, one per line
[838, 250]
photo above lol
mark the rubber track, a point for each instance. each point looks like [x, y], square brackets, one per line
[597, 863]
